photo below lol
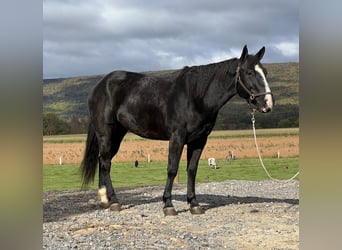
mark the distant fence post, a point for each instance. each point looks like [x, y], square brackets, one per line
[176, 180]
[230, 155]
[60, 160]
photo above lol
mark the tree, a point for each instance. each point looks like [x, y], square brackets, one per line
[288, 123]
[78, 125]
[53, 125]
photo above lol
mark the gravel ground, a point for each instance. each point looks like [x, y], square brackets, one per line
[238, 215]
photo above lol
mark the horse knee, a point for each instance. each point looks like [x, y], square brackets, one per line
[172, 172]
[192, 172]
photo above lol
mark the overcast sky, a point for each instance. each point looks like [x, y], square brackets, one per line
[89, 37]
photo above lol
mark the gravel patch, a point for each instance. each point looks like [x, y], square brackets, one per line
[238, 215]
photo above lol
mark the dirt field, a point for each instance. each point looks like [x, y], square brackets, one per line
[130, 151]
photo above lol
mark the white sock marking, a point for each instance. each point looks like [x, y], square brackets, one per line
[103, 195]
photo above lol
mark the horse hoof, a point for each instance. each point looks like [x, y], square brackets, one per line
[196, 210]
[105, 205]
[169, 211]
[115, 207]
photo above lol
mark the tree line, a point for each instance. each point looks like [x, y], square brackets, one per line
[231, 117]
[237, 116]
[54, 125]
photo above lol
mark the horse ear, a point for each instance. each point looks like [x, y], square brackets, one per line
[244, 54]
[261, 53]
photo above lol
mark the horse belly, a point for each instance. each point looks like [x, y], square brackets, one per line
[147, 122]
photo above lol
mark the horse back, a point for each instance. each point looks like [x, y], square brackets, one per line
[149, 106]
[139, 102]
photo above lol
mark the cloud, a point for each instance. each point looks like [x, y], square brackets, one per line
[288, 49]
[83, 37]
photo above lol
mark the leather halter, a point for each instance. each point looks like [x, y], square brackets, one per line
[252, 96]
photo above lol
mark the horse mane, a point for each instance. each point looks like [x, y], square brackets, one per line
[198, 78]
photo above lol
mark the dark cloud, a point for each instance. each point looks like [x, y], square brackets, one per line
[98, 36]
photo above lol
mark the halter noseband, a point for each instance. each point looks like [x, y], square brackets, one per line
[252, 96]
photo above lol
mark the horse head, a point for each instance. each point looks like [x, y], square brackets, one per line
[251, 83]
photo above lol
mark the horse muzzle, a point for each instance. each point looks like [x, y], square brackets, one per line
[268, 106]
[265, 109]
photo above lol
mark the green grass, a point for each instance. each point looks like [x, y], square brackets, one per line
[218, 134]
[67, 177]
[222, 134]
[64, 138]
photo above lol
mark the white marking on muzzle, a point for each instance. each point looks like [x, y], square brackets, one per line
[268, 97]
[269, 101]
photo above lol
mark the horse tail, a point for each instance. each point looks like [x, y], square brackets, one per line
[90, 159]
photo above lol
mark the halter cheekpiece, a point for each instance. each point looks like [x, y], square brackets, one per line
[252, 96]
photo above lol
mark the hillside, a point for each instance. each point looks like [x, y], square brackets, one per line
[67, 98]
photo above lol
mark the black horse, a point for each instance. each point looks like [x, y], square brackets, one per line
[181, 108]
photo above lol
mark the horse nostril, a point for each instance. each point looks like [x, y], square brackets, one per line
[265, 110]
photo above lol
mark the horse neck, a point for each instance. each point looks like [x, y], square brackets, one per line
[222, 86]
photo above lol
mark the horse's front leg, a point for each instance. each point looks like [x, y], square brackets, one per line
[176, 145]
[194, 152]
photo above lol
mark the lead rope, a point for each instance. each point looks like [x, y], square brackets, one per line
[261, 161]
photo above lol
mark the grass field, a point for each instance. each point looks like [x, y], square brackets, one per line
[221, 134]
[67, 177]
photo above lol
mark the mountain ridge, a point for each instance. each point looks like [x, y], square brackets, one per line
[67, 97]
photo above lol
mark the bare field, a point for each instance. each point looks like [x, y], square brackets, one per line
[131, 150]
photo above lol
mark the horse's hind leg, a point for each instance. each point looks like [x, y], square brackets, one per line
[109, 144]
